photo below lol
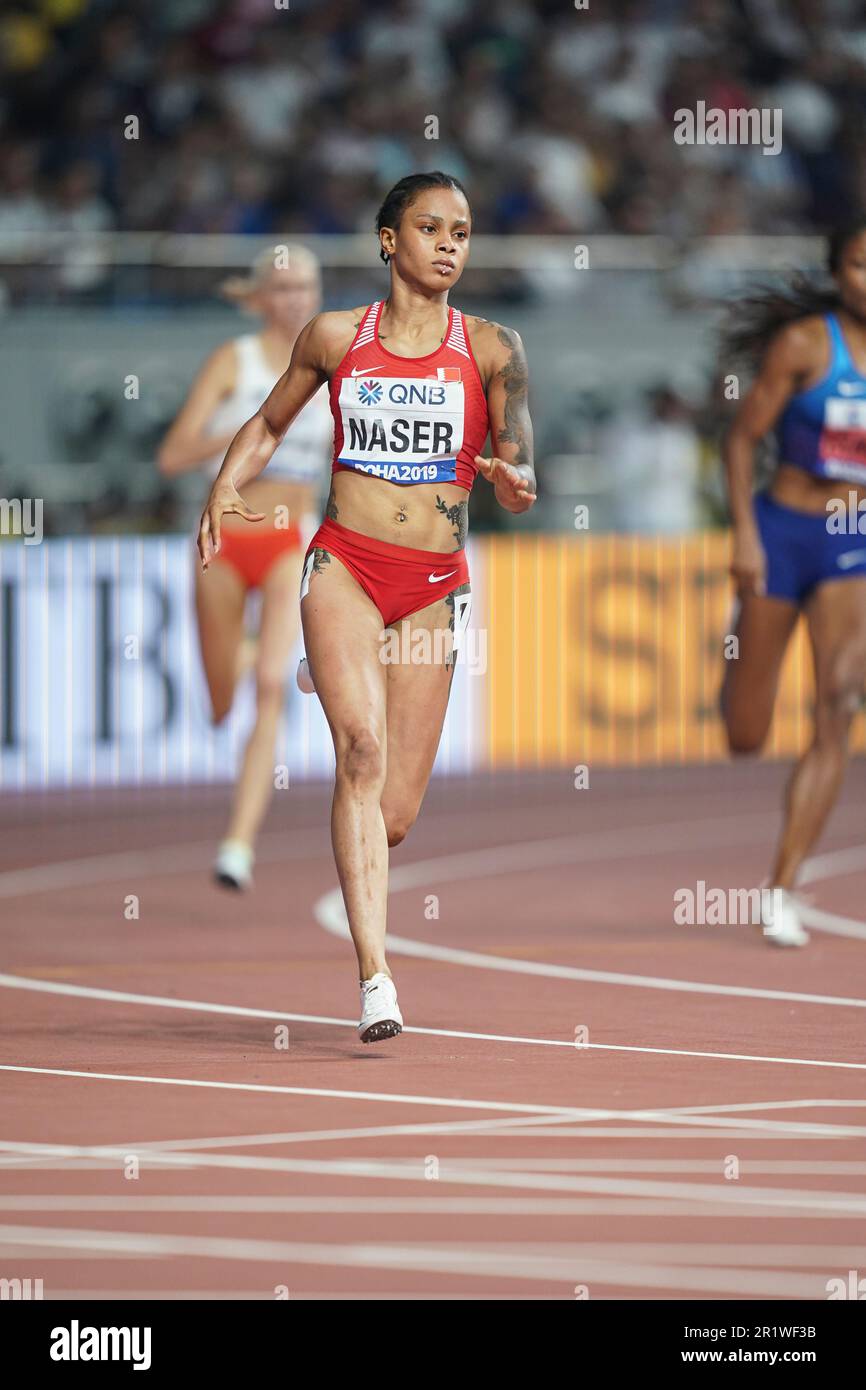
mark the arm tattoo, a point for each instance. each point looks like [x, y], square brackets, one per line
[449, 599]
[516, 381]
[331, 508]
[458, 517]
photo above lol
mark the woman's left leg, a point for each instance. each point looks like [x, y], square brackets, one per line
[836, 614]
[278, 631]
[417, 698]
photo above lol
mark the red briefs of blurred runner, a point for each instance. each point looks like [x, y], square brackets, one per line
[254, 550]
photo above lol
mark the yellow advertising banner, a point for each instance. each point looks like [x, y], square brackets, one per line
[610, 650]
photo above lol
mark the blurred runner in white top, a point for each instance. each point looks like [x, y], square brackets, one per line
[283, 290]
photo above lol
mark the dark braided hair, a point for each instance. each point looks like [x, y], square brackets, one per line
[754, 320]
[403, 193]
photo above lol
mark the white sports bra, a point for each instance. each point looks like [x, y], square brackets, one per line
[304, 455]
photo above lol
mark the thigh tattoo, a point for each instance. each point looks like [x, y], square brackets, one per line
[314, 564]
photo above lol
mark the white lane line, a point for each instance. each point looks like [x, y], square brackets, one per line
[833, 863]
[174, 858]
[386, 1097]
[710, 1166]
[317, 1136]
[273, 847]
[379, 1206]
[307, 1205]
[609, 845]
[545, 1130]
[158, 1001]
[721, 1126]
[820, 920]
[330, 913]
[684, 1252]
[620, 1207]
[491, 1261]
[47, 1163]
[119, 996]
[466, 1126]
[822, 1104]
[87, 870]
[493, 1128]
[732, 1195]
[496, 1129]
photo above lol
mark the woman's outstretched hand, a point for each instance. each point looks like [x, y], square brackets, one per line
[224, 499]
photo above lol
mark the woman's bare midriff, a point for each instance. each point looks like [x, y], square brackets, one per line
[263, 496]
[794, 487]
[424, 516]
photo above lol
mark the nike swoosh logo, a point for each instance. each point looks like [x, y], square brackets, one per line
[434, 578]
[849, 558]
[366, 371]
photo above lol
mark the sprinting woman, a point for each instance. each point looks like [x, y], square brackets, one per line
[414, 388]
[797, 547]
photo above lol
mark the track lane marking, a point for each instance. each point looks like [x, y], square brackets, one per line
[718, 1193]
[499, 1261]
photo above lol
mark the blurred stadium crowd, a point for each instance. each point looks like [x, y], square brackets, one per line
[255, 117]
[295, 116]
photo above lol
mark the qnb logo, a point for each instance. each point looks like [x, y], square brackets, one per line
[21, 517]
[77, 1343]
[429, 393]
[369, 393]
[21, 1289]
[853, 1287]
[417, 393]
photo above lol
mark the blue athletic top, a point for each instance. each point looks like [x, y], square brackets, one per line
[823, 429]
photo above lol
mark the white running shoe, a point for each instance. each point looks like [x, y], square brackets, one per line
[380, 1014]
[233, 866]
[305, 680]
[780, 918]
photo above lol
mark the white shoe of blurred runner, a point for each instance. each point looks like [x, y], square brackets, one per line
[380, 1014]
[780, 918]
[305, 680]
[233, 866]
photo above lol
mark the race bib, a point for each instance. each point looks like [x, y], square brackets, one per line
[842, 446]
[404, 430]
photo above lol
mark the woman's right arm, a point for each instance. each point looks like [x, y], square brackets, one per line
[251, 448]
[787, 361]
[188, 445]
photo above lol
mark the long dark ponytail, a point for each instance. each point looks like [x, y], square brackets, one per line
[756, 317]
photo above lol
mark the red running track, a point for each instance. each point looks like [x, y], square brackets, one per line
[158, 1140]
